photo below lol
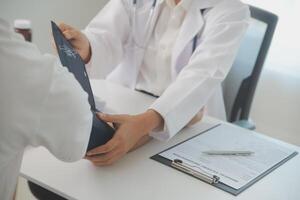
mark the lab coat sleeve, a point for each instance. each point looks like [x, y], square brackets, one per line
[107, 33]
[207, 68]
[43, 103]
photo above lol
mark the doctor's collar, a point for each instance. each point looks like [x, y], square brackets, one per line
[202, 4]
[185, 4]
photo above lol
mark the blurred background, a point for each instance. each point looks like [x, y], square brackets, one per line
[276, 106]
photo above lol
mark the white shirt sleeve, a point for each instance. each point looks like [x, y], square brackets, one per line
[107, 34]
[48, 103]
[41, 104]
[44, 105]
[65, 118]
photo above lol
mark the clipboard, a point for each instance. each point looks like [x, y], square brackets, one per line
[211, 178]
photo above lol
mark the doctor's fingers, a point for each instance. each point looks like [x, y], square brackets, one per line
[101, 157]
[72, 34]
[109, 146]
[63, 27]
[118, 119]
[106, 159]
[110, 161]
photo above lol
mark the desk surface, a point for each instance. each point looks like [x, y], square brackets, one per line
[136, 176]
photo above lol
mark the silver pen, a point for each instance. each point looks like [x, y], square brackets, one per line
[228, 153]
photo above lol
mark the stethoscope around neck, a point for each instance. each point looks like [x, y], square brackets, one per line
[147, 33]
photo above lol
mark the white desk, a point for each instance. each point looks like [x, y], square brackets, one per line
[136, 177]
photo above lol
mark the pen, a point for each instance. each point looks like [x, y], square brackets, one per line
[229, 153]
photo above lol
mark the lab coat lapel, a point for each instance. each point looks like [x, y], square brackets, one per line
[153, 22]
[192, 24]
[134, 59]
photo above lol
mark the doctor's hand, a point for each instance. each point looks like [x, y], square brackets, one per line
[132, 131]
[78, 40]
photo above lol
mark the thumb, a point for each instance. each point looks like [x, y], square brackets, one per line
[63, 27]
[112, 118]
[71, 34]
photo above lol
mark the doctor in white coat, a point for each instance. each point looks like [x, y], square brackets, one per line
[41, 104]
[178, 50]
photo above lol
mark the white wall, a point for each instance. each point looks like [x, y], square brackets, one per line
[276, 106]
[40, 12]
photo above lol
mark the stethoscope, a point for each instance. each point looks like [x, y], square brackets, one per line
[148, 33]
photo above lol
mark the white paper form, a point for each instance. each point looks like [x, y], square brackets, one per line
[234, 171]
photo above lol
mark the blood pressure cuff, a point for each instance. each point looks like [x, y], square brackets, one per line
[101, 133]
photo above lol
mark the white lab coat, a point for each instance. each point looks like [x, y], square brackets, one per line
[196, 79]
[41, 104]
